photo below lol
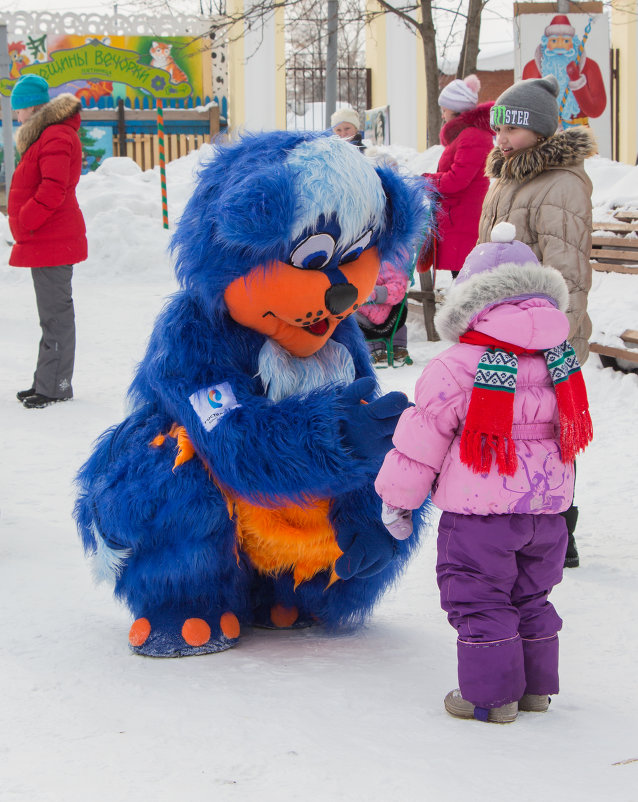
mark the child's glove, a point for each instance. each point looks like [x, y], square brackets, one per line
[397, 521]
[379, 295]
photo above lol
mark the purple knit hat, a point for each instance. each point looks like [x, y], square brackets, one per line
[501, 250]
[496, 272]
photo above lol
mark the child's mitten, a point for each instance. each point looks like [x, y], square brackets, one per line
[397, 521]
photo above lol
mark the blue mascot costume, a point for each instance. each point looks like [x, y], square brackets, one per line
[239, 491]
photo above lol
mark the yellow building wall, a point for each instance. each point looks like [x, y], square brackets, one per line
[376, 58]
[624, 36]
[236, 62]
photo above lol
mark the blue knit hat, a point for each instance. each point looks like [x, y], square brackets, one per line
[29, 90]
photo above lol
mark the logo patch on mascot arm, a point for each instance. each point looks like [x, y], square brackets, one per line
[212, 403]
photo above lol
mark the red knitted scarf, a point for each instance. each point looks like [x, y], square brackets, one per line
[488, 425]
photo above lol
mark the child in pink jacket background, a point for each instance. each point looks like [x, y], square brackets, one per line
[390, 289]
[498, 420]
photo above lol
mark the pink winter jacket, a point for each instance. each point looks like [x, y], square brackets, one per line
[426, 456]
[395, 284]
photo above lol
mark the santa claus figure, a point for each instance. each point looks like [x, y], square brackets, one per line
[560, 53]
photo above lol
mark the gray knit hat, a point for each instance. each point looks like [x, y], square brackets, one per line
[529, 104]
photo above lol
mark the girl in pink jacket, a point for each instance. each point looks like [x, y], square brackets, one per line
[498, 420]
[390, 289]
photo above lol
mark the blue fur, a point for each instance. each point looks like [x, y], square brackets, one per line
[164, 536]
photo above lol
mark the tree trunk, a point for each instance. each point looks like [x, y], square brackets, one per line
[428, 38]
[470, 49]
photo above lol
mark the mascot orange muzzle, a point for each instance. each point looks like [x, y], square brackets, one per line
[300, 308]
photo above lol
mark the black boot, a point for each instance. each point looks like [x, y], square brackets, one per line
[39, 401]
[571, 556]
[22, 394]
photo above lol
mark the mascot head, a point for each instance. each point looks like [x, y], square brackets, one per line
[286, 231]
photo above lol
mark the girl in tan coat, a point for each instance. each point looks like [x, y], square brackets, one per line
[542, 188]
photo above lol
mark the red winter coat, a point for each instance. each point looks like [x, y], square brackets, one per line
[461, 181]
[44, 215]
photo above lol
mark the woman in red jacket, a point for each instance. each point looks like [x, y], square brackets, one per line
[460, 176]
[48, 227]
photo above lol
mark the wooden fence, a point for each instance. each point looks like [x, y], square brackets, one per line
[144, 148]
[134, 131]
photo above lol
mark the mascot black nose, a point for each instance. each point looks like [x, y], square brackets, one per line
[340, 296]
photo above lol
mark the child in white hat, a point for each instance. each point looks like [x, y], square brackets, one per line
[345, 124]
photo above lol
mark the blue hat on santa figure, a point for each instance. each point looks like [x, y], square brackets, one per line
[496, 272]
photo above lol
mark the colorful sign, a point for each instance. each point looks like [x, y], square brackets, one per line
[122, 66]
[574, 47]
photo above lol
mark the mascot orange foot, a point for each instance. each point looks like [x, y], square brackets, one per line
[239, 491]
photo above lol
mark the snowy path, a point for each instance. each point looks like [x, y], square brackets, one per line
[285, 715]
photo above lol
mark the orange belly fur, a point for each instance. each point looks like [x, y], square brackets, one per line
[288, 538]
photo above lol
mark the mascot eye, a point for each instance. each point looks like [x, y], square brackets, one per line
[313, 253]
[355, 250]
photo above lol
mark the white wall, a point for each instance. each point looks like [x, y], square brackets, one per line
[259, 76]
[401, 71]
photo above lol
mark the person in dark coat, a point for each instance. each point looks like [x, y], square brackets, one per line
[48, 227]
[460, 177]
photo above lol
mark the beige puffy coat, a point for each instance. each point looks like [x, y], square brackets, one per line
[546, 193]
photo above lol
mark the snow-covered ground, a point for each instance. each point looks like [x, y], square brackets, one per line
[286, 715]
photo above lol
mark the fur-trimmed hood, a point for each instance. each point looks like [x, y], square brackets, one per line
[564, 149]
[508, 282]
[478, 117]
[52, 113]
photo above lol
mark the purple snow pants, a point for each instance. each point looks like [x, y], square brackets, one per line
[495, 573]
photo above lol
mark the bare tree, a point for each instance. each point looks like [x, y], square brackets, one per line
[470, 49]
[308, 21]
[419, 17]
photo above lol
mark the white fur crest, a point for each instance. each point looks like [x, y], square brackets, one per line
[284, 375]
[337, 180]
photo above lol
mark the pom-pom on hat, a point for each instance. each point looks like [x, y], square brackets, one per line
[345, 116]
[29, 90]
[460, 95]
[503, 248]
[497, 272]
[529, 104]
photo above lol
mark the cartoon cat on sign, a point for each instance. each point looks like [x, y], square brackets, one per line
[162, 59]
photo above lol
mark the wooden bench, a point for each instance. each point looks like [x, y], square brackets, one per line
[617, 254]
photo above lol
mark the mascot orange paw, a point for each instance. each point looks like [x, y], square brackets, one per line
[173, 635]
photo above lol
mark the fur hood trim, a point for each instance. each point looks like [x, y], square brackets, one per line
[478, 117]
[509, 281]
[52, 113]
[564, 149]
